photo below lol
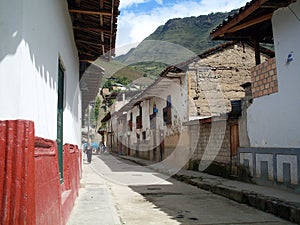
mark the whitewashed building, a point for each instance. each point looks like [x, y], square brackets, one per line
[174, 117]
[46, 48]
[272, 151]
[150, 125]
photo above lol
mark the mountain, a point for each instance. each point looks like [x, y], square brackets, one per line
[174, 42]
[190, 32]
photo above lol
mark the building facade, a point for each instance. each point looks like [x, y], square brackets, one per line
[186, 116]
[41, 63]
[271, 153]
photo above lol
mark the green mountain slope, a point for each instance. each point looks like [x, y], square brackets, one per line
[174, 42]
[190, 32]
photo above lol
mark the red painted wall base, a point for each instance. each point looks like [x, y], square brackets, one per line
[30, 188]
[17, 191]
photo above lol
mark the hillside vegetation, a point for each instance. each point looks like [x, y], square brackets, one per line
[174, 42]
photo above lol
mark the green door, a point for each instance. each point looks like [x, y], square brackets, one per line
[60, 106]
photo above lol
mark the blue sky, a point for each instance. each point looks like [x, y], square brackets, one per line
[140, 18]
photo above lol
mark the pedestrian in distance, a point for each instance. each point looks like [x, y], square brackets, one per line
[89, 153]
[102, 147]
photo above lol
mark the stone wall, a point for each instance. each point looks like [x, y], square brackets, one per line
[216, 79]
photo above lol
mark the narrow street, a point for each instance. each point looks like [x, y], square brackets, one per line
[137, 195]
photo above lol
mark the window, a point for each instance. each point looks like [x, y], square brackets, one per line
[139, 123]
[144, 135]
[130, 122]
[167, 112]
[169, 104]
[153, 118]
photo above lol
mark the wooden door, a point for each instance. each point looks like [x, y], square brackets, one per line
[60, 104]
[234, 139]
[234, 145]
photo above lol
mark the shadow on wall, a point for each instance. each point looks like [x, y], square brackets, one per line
[11, 29]
[23, 31]
[17, 30]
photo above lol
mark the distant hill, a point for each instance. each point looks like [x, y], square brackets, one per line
[190, 32]
[174, 42]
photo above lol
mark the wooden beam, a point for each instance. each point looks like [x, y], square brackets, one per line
[277, 5]
[111, 25]
[95, 51]
[90, 60]
[86, 53]
[101, 24]
[92, 29]
[87, 37]
[220, 32]
[103, 13]
[230, 24]
[257, 52]
[250, 23]
[90, 43]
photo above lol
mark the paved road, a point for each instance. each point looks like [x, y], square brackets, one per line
[142, 196]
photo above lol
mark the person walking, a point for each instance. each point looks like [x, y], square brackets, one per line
[89, 153]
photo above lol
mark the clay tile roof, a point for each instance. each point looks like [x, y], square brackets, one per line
[251, 21]
[182, 66]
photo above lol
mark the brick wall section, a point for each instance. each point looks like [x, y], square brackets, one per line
[264, 79]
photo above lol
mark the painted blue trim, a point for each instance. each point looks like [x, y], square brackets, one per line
[274, 152]
[285, 151]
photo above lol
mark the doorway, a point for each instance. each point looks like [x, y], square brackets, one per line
[60, 110]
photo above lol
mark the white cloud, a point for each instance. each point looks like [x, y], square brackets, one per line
[159, 2]
[127, 3]
[134, 27]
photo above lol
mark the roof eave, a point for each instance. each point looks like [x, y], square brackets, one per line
[262, 9]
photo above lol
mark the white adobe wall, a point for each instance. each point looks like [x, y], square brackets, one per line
[160, 104]
[273, 121]
[34, 35]
[179, 99]
[146, 115]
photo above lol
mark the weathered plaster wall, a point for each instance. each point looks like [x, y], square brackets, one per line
[174, 135]
[216, 79]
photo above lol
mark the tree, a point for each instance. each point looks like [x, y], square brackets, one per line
[109, 83]
[123, 80]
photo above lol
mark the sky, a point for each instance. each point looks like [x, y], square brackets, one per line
[139, 18]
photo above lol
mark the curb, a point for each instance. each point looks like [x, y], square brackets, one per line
[283, 209]
[280, 208]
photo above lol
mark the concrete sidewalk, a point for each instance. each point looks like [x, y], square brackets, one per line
[278, 202]
[94, 205]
